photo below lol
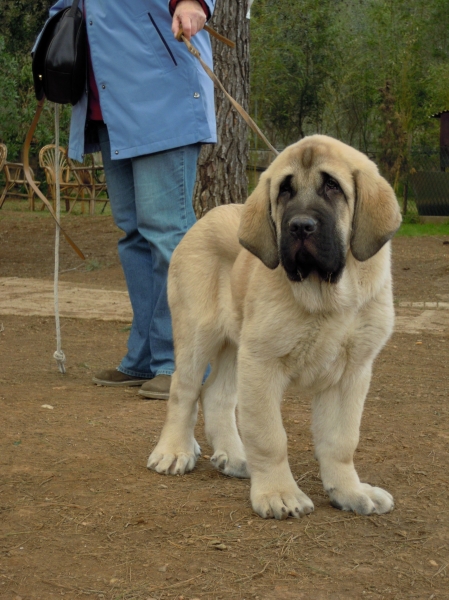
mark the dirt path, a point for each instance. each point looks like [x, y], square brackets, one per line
[80, 515]
[35, 297]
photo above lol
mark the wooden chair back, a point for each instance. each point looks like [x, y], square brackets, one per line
[89, 175]
[15, 183]
[47, 162]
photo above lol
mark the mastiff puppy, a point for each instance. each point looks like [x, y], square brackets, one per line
[294, 285]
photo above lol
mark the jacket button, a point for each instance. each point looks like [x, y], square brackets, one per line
[116, 151]
[90, 22]
[196, 95]
[103, 87]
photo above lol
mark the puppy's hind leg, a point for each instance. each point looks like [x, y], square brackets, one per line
[177, 450]
[219, 400]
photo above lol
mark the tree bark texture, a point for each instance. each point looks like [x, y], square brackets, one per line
[221, 177]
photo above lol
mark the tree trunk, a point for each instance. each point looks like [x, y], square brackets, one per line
[221, 177]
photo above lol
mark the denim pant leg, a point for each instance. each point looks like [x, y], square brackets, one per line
[135, 257]
[164, 185]
[151, 201]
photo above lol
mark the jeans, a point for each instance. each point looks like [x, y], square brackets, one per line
[151, 202]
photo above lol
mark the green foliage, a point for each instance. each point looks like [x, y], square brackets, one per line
[369, 72]
[21, 22]
[392, 139]
[290, 54]
[18, 104]
[9, 94]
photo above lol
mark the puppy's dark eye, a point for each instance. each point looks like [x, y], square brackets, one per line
[331, 184]
[286, 189]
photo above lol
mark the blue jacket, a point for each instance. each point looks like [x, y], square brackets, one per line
[154, 94]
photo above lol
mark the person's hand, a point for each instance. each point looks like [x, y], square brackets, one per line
[189, 15]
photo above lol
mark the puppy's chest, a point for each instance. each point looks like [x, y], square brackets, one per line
[319, 353]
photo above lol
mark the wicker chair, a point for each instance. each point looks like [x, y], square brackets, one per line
[90, 178]
[14, 179]
[68, 184]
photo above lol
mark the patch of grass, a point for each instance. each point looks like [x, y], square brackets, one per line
[102, 208]
[93, 265]
[423, 229]
[411, 218]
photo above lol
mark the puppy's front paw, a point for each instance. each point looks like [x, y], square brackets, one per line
[363, 500]
[173, 461]
[280, 504]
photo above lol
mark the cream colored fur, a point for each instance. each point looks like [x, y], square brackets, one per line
[260, 331]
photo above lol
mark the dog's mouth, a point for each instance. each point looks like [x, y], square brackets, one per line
[301, 258]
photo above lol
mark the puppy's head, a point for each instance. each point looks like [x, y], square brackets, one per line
[317, 201]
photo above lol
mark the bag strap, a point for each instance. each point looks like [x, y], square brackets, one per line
[73, 8]
[29, 177]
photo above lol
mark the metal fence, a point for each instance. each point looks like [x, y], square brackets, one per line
[426, 187]
[423, 190]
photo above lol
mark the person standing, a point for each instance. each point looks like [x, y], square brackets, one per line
[149, 107]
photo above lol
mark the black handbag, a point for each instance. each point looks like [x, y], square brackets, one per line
[60, 58]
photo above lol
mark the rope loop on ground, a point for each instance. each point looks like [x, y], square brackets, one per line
[59, 356]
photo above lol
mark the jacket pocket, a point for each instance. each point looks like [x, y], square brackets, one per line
[161, 47]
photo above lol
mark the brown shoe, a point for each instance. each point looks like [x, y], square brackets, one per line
[116, 378]
[157, 388]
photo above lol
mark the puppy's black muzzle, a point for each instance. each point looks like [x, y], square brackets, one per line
[310, 244]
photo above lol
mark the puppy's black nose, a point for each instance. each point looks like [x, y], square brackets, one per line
[302, 226]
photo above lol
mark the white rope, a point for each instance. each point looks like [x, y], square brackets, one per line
[59, 354]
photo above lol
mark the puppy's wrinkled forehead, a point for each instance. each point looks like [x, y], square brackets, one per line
[307, 160]
[312, 154]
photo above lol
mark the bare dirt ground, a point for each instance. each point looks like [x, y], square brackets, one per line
[80, 515]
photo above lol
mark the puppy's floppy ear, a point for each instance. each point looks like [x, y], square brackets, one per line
[376, 215]
[257, 231]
